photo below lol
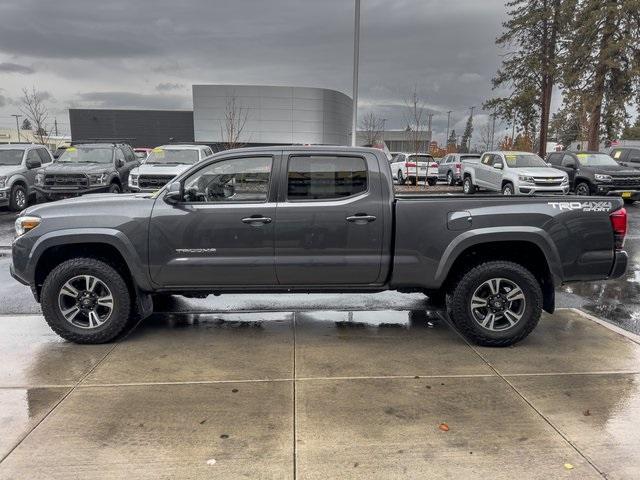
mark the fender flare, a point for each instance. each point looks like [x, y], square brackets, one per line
[481, 236]
[108, 236]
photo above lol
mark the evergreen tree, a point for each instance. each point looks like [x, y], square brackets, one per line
[26, 124]
[632, 132]
[451, 141]
[466, 136]
[602, 63]
[533, 30]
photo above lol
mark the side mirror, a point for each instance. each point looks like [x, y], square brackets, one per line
[571, 166]
[498, 165]
[174, 193]
[31, 164]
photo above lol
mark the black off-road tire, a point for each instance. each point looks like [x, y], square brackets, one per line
[114, 188]
[467, 186]
[401, 179]
[459, 303]
[583, 188]
[16, 191]
[450, 180]
[412, 180]
[432, 181]
[629, 201]
[112, 327]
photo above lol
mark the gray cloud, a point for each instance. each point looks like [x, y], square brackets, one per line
[168, 86]
[129, 53]
[8, 67]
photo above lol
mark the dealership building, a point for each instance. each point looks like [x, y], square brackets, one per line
[270, 115]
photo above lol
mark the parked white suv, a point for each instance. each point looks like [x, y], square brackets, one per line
[165, 163]
[513, 173]
[414, 167]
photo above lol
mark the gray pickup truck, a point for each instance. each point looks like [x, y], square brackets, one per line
[311, 219]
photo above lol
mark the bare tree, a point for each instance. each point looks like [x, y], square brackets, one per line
[235, 118]
[415, 118]
[486, 137]
[372, 127]
[34, 108]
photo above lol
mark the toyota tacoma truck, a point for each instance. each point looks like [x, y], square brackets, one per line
[311, 219]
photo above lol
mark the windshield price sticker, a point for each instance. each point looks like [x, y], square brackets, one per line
[72, 149]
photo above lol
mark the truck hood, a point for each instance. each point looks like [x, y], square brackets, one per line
[539, 172]
[7, 170]
[157, 169]
[614, 169]
[93, 204]
[78, 168]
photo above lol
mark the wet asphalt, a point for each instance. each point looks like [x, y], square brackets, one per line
[616, 301]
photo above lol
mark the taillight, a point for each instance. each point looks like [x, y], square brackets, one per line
[619, 225]
[410, 164]
[434, 165]
[458, 166]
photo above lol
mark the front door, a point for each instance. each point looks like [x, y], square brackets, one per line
[222, 232]
[330, 224]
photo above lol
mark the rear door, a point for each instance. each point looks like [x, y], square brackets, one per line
[330, 224]
[222, 232]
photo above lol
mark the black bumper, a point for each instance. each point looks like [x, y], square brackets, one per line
[632, 193]
[59, 193]
[619, 264]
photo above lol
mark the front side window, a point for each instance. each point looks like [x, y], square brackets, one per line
[320, 177]
[487, 159]
[44, 155]
[119, 155]
[524, 160]
[87, 155]
[235, 180]
[33, 158]
[11, 157]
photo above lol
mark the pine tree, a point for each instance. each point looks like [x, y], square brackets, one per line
[26, 124]
[602, 63]
[451, 142]
[466, 136]
[632, 132]
[533, 30]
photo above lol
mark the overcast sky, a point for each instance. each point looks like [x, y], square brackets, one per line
[148, 53]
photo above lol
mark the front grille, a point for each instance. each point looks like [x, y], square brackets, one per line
[547, 181]
[153, 181]
[66, 180]
[626, 181]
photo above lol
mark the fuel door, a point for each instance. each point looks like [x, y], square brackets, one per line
[461, 220]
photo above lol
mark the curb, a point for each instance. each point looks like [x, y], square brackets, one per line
[620, 331]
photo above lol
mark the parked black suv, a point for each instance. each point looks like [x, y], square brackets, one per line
[87, 168]
[627, 156]
[594, 173]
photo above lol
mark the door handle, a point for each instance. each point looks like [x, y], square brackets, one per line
[361, 219]
[256, 220]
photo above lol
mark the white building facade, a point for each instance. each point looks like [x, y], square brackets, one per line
[274, 115]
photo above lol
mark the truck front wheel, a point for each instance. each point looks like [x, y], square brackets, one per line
[84, 300]
[496, 304]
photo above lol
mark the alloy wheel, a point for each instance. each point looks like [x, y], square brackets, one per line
[20, 198]
[498, 304]
[85, 301]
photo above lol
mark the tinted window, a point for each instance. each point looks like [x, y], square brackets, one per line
[33, 157]
[324, 177]
[555, 158]
[236, 180]
[634, 156]
[44, 155]
[119, 154]
[568, 160]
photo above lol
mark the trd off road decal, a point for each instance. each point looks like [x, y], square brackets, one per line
[584, 206]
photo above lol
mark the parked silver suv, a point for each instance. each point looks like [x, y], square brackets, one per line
[19, 163]
[513, 173]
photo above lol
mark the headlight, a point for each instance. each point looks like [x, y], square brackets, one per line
[603, 178]
[24, 224]
[565, 180]
[97, 179]
[39, 178]
[3, 182]
[133, 180]
[526, 179]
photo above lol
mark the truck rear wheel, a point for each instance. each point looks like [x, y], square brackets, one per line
[496, 304]
[85, 300]
[401, 179]
[432, 181]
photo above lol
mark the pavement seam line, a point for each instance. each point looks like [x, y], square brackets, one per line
[609, 326]
[526, 400]
[295, 406]
[57, 404]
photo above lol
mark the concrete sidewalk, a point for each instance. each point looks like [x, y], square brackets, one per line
[318, 395]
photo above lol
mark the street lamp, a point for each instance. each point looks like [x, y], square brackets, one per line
[356, 57]
[17, 125]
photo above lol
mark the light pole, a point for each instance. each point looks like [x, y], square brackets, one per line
[446, 141]
[356, 59]
[17, 125]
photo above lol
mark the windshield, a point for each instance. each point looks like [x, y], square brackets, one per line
[87, 155]
[11, 157]
[521, 160]
[595, 159]
[162, 156]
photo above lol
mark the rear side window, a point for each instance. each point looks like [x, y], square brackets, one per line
[634, 156]
[320, 177]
